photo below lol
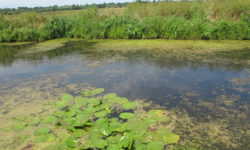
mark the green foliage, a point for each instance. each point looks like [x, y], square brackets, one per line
[101, 122]
[41, 131]
[16, 127]
[3, 22]
[56, 27]
[228, 30]
[87, 24]
[93, 92]
[213, 19]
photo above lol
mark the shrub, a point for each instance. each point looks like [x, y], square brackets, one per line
[56, 27]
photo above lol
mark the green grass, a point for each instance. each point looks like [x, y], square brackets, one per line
[210, 20]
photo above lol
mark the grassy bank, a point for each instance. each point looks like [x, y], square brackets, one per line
[211, 20]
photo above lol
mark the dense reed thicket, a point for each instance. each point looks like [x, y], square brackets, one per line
[210, 20]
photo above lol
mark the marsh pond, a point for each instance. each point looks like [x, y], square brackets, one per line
[203, 87]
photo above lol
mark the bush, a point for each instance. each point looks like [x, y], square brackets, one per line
[230, 30]
[56, 27]
[163, 20]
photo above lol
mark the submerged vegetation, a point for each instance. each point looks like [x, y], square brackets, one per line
[98, 122]
[209, 20]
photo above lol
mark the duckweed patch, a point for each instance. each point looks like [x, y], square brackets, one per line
[98, 121]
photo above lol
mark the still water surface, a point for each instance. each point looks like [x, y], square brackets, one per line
[207, 90]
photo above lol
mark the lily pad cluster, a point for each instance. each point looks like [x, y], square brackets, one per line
[103, 122]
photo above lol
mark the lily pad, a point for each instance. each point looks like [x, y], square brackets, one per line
[92, 123]
[67, 97]
[49, 119]
[130, 105]
[99, 143]
[155, 145]
[109, 96]
[114, 147]
[79, 133]
[45, 138]
[70, 143]
[61, 104]
[93, 92]
[89, 110]
[126, 115]
[100, 114]
[42, 131]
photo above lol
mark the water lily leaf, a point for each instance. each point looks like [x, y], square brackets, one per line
[67, 97]
[138, 126]
[45, 138]
[117, 100]
[102, 122]
[89, 110]
[126, 115]
[93, 92]
[61, 104]
[126, 141]
[105, 131]
[59, 113]
[70, 143]
[49, 119]
[114, 147]
[140, 146]
[130, 105]
[42, 131]
[76, 107]
[114, 125]
[70, 114]
[104, 106]
[114, 139]
[100, 114]
[123, 127]
[83, 118]
[109, 96]
[155, 145]
[99, 143]
[122, 100]
[163, 132]
[79, 133]
[72, 122]
[81, 100]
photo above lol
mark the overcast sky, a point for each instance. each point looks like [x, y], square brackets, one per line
[34, 3]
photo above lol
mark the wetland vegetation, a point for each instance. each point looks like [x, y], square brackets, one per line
[209, 20]
[190, 92]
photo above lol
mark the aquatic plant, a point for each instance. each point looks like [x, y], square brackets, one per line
[100, 122]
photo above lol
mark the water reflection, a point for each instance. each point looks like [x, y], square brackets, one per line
[211, 89]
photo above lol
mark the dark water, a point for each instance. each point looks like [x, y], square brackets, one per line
[206, 89]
